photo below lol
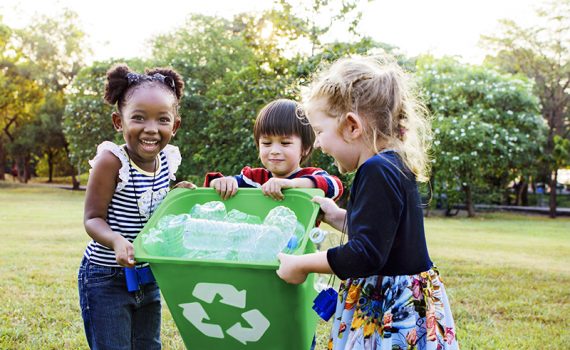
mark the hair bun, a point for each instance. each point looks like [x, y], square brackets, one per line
[117, 83]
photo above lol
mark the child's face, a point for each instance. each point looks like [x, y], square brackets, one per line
[148, 122]
[330, 139]
[280, 154]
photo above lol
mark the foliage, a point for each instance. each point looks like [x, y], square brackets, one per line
[541, 52]
[486, 127]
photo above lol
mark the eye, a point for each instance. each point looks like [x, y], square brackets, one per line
[137, 117]
[266, 143]
[286, 143]
[165, 120]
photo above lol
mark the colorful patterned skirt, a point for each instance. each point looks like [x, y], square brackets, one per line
[393, 312]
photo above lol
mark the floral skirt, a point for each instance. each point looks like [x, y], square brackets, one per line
[393, 312]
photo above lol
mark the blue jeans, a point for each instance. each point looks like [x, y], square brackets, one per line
[113, 317]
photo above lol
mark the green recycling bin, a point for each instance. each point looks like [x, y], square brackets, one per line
[236, 305]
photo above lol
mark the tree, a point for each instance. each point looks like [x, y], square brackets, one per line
[20, 96]
[486, 128]
[542, 53]
[54, 48]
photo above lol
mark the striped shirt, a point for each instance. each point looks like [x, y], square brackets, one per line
[130, 208]
[256, 177]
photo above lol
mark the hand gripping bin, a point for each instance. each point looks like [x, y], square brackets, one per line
[236, 305]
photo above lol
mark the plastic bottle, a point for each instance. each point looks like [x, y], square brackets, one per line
[322, 239]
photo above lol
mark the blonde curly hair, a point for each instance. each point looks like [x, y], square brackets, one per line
[378, 90]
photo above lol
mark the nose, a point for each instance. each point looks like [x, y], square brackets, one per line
[275, 149]
[151, 127]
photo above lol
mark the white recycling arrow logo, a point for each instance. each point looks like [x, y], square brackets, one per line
[195, 313]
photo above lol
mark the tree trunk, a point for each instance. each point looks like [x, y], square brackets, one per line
[469, 201]
[2, 161]
[552, 201]
[521, 192]
[27, 169]
[50, 166]
[74, 182]
[524, 194]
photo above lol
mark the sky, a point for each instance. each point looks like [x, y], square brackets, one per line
[122, 28]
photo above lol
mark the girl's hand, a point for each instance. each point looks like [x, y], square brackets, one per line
[290, 269]
[186, 184]
[333, 215]
[225, 186]
[273, 187]
[124, 252]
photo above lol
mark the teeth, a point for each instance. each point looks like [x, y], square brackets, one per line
[149, 142]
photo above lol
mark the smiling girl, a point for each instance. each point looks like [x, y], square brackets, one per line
[125, 185]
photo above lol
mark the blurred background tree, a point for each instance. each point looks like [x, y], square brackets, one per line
[542, 52]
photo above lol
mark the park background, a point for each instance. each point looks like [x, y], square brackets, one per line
[500, 140]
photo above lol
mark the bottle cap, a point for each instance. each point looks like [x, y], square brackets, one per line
[317, 235]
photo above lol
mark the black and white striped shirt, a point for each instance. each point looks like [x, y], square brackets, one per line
[127, 213]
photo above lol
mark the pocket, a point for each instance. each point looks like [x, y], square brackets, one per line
[97, 274]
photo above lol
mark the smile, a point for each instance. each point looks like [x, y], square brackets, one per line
[147, 142]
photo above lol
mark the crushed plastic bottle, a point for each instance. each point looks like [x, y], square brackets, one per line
[239, 237]
[214, 210]
[282, 217]
[235, 215]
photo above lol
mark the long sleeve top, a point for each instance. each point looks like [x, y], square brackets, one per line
[256, 177]
[384, 222]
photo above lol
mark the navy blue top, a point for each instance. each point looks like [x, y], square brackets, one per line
[384, 222]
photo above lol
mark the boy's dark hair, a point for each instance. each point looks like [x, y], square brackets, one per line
[283, 118]
[121, 79]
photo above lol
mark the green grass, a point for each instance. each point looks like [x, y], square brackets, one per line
[508, 276]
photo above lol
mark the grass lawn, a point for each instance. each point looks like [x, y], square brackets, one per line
[508, 276]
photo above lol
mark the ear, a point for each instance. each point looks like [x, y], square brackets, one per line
[177, 122]
[117, 121]
[353, 126]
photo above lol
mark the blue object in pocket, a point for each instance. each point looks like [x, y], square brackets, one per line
[325, 303]
[136, 277]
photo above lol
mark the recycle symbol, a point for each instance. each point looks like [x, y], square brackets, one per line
[195, 313]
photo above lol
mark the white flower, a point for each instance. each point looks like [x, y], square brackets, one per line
[455, 158]
[452, 132]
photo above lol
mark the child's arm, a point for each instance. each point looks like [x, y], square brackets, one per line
[331, 185]
[273, 186]
[295, 268]
[306, 178]
[225, 186]
[100, 190]
[334, 215]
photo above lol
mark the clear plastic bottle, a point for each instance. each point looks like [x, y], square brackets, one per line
[233, 241]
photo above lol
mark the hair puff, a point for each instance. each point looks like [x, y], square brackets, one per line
[117, 83]
[168, 72]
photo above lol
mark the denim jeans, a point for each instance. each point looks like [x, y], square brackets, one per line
[113, 317]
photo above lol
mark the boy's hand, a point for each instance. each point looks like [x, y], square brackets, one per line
[225, 186]
[186, 184]
[290, 270]
[124, 252]
[273, 187]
